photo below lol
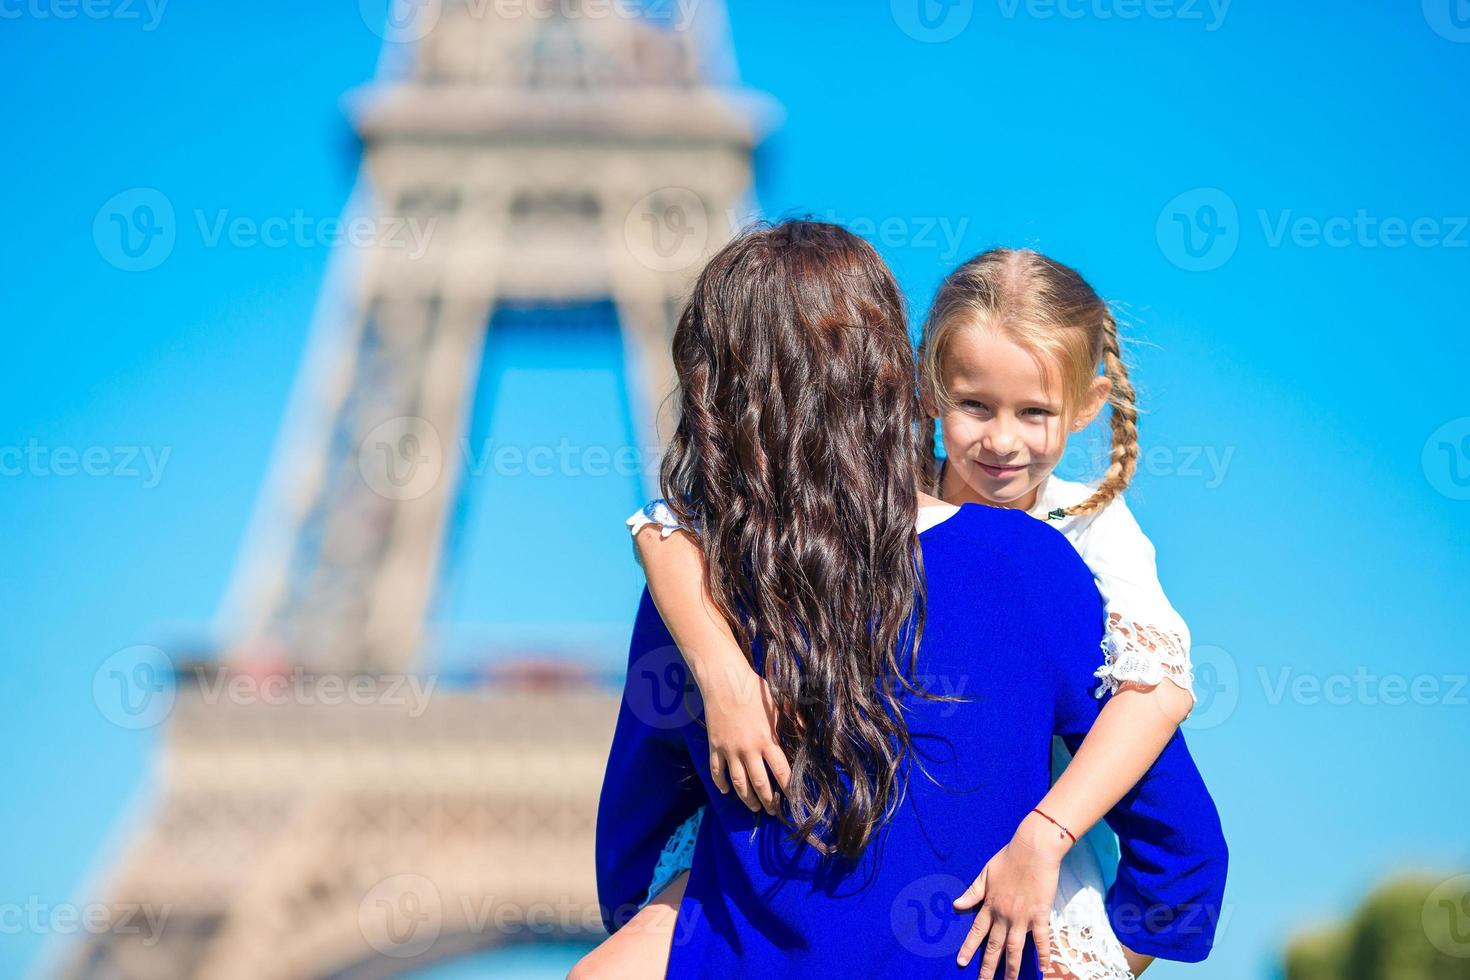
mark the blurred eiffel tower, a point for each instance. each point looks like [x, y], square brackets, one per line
[556, 154]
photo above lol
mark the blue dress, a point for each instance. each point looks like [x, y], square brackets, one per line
[1013, 625]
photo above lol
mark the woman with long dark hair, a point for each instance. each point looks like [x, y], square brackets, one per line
[796, 455]
[895, 637]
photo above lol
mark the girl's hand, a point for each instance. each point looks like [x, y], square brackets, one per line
[1017, 888]
[738, 707]
[742, 737]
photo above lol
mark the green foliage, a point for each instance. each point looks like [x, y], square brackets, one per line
[1317, 955]
[1412, 928]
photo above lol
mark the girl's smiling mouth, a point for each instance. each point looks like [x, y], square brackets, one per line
[1000, 472]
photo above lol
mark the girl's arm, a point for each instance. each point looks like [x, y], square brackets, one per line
[737, 701]
[1145, 644]
[1020, 882]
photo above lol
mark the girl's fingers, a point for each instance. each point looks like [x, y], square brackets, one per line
[974, 893]
[995, 944]
[717, 772]
[741, 784]
[1041, 932]
[760, 786]
[780, 768]
[975, 936]
[1015, 945]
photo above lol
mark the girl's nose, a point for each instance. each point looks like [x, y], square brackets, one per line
[998, 440]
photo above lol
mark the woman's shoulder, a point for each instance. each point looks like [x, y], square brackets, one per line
[1006, 549]
[1005, 536]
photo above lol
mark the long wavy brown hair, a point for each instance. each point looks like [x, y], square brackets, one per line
[796, 456]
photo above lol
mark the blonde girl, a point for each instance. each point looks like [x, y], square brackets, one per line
[1019, 352]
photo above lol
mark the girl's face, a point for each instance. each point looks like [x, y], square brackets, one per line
[1008, 427]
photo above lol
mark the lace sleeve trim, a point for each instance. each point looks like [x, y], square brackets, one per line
[677, 855]
[1141, 654]
[656, 512]
[1083, 943]
[1086, 952]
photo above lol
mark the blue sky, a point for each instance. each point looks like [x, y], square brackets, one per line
[1301, 356]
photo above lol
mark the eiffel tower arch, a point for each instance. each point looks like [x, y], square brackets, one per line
[531, 160]
[518, 159]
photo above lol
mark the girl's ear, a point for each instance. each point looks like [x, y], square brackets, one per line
[1093, 401]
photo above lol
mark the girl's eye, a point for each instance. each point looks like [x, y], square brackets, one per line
[1040, 413]
[974, 407]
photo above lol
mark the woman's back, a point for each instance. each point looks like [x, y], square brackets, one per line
[1012, 626]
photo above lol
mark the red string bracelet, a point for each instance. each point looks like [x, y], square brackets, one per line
[1057, 825]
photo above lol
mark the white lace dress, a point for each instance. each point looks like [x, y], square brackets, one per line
[1146, 643]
